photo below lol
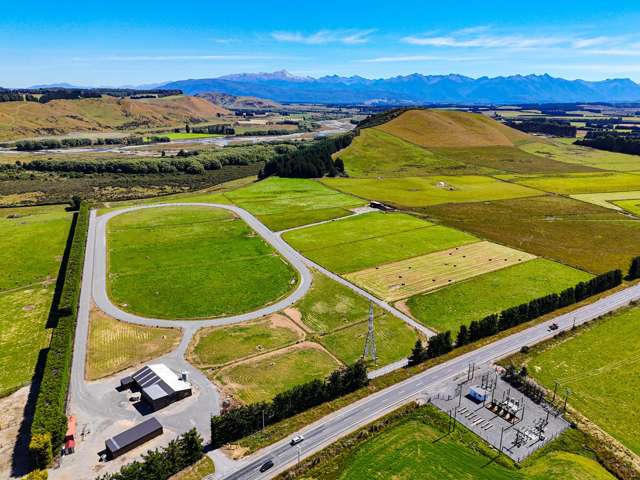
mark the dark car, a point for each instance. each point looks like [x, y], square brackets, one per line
[266, 465]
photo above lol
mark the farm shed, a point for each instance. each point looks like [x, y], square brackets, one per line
[134, 437]
[160, 386]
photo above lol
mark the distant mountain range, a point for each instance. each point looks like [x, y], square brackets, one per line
[281, 86]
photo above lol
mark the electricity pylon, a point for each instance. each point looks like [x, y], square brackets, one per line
[370, 342]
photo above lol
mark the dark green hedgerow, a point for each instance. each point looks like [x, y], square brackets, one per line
[50, 421]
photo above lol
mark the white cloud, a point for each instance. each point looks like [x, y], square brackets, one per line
[485, 41]
[169, 58]
[321, 37]
[421, 58]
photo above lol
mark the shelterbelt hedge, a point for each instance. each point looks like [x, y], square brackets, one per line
[50, 421]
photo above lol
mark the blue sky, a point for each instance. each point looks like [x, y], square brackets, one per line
[136, 42]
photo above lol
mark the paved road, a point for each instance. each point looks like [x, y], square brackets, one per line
[330, 428]
[100, 271]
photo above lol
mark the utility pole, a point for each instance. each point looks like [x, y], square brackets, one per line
[555, 388]
[567, 392]
[370, 342]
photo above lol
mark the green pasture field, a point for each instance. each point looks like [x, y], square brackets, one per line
[262, 378]
[33, 243]
[191, 262]
[563, 150]
[507, 159]
[187, 136]
[632, 206]
[424, 191]
[282, 203]
[115, 346]
[330, 305]
[585, 236]
[459, 304]
[607, 200]
[372, 239]
[394, 340]
[375, 153]
[418, 445]
[220, 345]
[568, 184]
[600, 364]
[23, 334]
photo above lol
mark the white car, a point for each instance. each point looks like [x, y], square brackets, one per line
[296, 440]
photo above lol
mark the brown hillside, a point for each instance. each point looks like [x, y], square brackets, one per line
[449, 129]
[29, 119]
[234, 102]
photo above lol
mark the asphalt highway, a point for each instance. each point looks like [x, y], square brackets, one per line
[330, 428]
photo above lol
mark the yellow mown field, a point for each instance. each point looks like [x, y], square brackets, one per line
[415, 275]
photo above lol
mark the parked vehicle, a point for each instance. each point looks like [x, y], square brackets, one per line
[553, 326]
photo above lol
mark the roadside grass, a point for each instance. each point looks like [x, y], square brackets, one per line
[372, 239]
[431, 190]
[216, 346]
[459, 304]
[261, 378]
[585, 236]
[632, 206]
[565, 151]
[447, 128]
[405, 278]
[418, 445]
[394, 340]
[191, 262]
[33, 243]
[282, 203]
[572, 183]
[329, 305]
[507, 159]
[375, 153]
[23, 334]
[114, 346]
[199, 471]
[600, 364]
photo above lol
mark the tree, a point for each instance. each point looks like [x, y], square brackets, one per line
[463, 336]
[418, 354]
[339, 164]
[634, 269]
[187, 128]
[75, 202]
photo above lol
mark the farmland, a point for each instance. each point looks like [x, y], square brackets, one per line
[417, 445]
[329, 305]
[160, 264]
[608, 200]
[405, 278]
[220, 345]
[394, 340]
[115, 346]
[33, 241]
[23, 261]
[459, 304]
[561, 151]
[569, 231]
[632, 206]
[568, 184]
[23, 323]
[282, 203]
[600, 364]
[432, 190]
[372, 239]
[249, 381]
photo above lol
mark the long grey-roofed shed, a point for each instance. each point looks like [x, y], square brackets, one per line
[134, 437]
